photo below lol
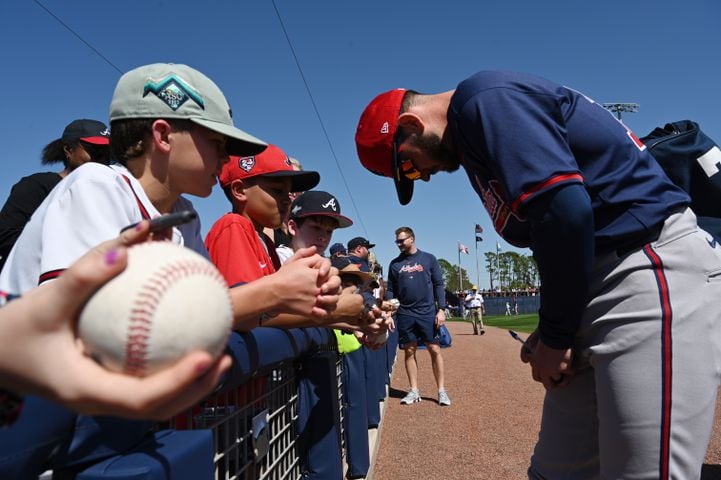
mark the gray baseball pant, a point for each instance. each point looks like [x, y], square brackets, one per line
[648, 359]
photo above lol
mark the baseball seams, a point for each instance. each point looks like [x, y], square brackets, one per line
[151, 293]
[167, 302]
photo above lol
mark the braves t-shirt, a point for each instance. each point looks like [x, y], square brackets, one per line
[89, 206]
[417, 282]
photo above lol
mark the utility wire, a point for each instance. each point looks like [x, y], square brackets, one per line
[97, 52]
[320, 119]
[300, 70]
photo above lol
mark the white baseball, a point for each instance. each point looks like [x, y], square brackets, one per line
[167, 302]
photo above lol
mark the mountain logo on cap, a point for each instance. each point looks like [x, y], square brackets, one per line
[173, 91]
[385, 128]
[331, 204]
[246, 163]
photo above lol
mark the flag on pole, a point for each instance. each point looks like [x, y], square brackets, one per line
[479, 229]
[498, 246]
[478, 238]
[463, 248]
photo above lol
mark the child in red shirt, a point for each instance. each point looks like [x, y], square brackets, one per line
[258, 188]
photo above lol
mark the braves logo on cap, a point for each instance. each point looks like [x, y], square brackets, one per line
[330, 203]
[173, 91]
[246, 163]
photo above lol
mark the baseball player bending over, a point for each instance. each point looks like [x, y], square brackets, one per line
[628, 343]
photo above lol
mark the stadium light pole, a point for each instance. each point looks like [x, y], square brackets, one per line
[618, 108]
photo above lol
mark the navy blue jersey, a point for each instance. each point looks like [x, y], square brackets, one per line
[519, 136]
[417, 282]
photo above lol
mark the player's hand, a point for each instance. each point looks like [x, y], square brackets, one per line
[549, 366]
[529, 346]
[440, 318]
[45, 359]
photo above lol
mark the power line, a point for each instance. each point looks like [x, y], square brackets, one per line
[97, 52]
[320, 120]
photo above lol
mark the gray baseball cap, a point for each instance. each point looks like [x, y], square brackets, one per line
[175, 91]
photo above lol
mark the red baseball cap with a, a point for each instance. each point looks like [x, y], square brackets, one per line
[271, 162]
[375, 140]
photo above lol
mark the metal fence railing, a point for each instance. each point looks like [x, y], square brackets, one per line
[255, 425]
[278, 415]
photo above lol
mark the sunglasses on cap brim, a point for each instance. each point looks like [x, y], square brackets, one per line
[405, 167]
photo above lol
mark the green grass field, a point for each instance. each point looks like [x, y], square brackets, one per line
[522, 323]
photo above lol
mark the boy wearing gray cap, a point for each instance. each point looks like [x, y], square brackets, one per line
[171, 132]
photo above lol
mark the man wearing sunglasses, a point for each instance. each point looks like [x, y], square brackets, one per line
[629, 302]
[415, 279]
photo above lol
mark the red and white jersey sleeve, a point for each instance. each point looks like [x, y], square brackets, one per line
[88, 207]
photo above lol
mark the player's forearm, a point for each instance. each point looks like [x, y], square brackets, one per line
[563, 239]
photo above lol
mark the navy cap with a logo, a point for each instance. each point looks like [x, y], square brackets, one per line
[359, 242]
[318, 203]
[90, 131]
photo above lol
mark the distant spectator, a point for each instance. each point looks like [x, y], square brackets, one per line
[82, 141]
[358, 252]
[474, 303]
[338, 250]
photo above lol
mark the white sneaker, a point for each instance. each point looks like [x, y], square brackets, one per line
[443, 399]
[413, 396]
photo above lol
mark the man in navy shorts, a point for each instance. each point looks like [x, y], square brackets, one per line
[415, 279]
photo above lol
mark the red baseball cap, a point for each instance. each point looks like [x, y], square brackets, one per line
[271, 162]
[375, 140]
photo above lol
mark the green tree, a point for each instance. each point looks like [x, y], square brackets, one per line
[510, 270]
[450, 276]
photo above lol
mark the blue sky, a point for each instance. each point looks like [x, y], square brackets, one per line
[662, 55]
